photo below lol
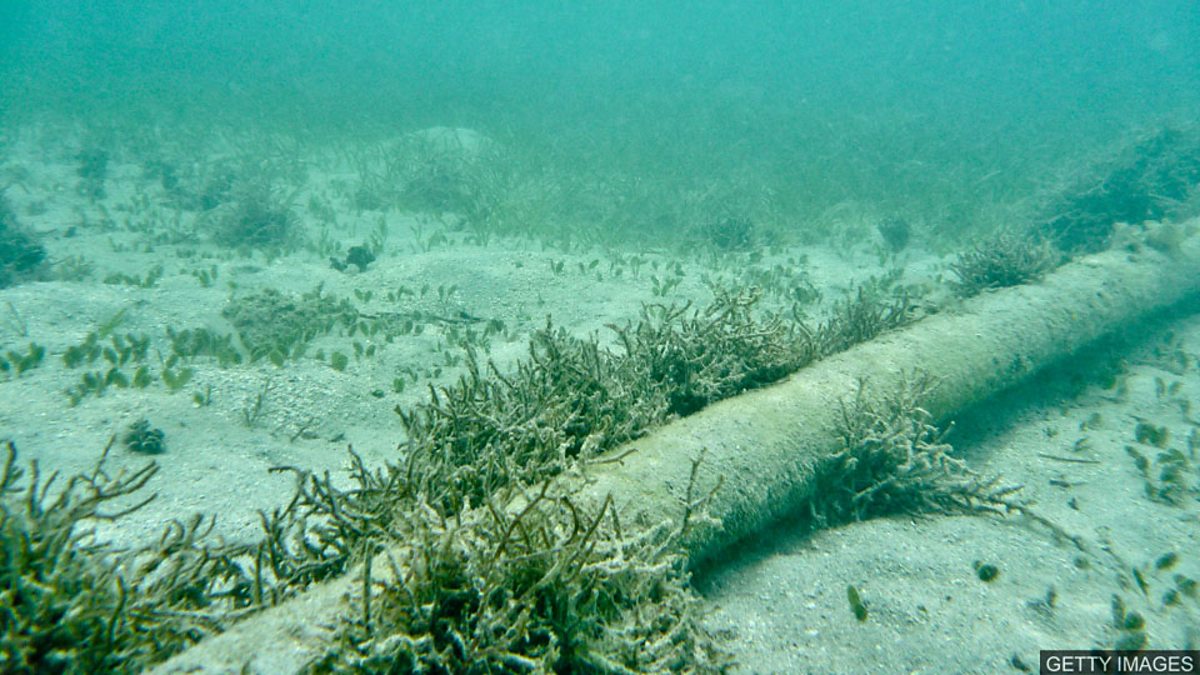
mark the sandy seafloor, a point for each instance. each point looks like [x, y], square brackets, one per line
[780, 604]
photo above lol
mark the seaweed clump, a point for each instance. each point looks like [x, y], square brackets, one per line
[1149, 180]
[573, 399]
[1006, 260]
[259, 219]
[140, 437]
[870, 311]
[533, 584]
[893, 460]
[70, 603]
[279, 327]
[194, 186]
[728, 233]
[93, 172]
[359, 256]
[895, 233]
[443, 169]
[699, 358]
[21, 255]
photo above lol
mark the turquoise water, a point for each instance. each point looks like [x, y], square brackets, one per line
[929, 109]
[242, 236]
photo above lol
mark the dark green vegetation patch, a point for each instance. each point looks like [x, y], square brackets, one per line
[1149, 180]
[142, 438]
[895, 232]
[548, 587]
[258, 219]
[893, 461]
[279, 327]
[728, 233]
[857, 606]
[1005, 260]
[15, 363]
[71, 604]
[21, 254]
[440, 170]
[987, 572]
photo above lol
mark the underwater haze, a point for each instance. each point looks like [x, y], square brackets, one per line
[1068, 60]
[819, 101]
[613, 336]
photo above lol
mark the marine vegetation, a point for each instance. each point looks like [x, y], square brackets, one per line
[728, 233]
[21, 254]
[1149, 180]
[522, 583]
[574, 398]
[72, 604]
[258, 219]
[93, 172]
[279, 327]
[195, 186]
[15, 364]
[444, 170]
[470, 559]
[873, 309]
[895, 232]
[140, 437]
[893, 460]
[359, 256]
[1005, 260]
